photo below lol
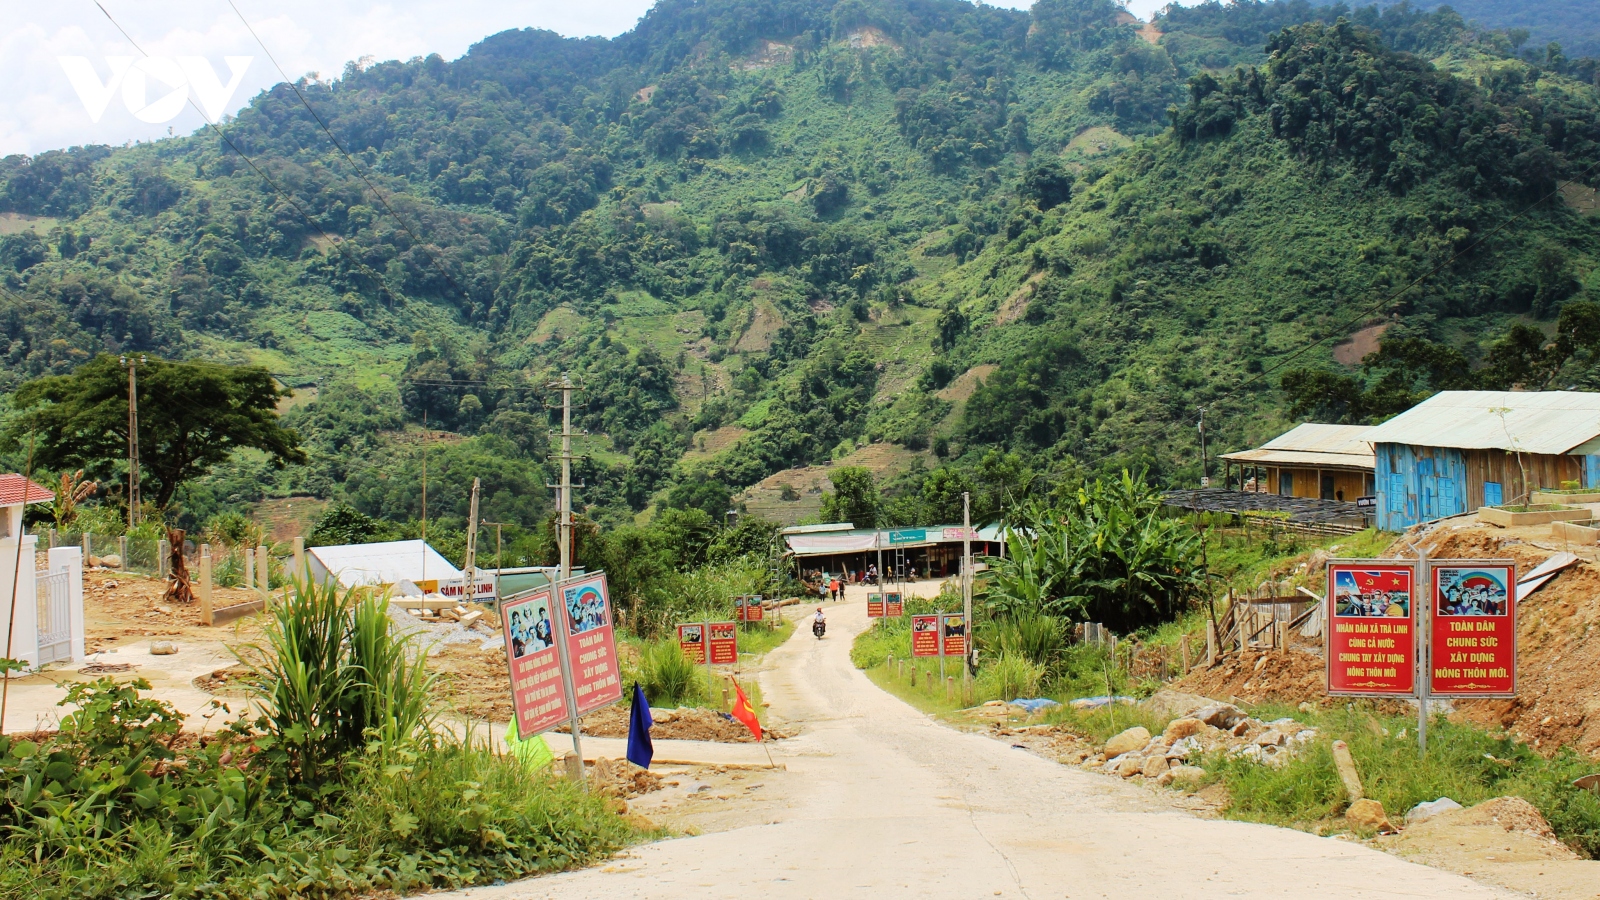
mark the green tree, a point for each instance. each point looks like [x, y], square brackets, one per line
[854, 498]
[192, 416]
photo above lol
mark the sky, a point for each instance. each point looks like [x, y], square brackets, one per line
[74, 78]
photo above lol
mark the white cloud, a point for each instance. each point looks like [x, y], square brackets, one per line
[41, 111]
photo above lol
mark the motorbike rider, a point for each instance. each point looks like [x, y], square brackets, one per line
[819, 624]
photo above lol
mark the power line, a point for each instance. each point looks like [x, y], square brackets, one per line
[1385, 301]
[338, 242]
[432, 257]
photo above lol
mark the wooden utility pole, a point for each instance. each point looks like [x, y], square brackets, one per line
[132, 365]
[469, 590]
[966, 576]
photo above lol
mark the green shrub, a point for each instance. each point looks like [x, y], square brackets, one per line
[1009, 677]
[335, 675]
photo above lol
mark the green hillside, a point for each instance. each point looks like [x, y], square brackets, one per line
[966, 246]
[1574, 24]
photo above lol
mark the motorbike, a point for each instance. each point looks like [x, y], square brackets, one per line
[818, 627]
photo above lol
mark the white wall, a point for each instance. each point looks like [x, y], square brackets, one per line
[23, 634]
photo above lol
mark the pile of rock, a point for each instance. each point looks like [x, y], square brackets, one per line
[1170, 756]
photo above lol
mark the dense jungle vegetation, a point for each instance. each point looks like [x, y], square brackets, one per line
[1021, 247]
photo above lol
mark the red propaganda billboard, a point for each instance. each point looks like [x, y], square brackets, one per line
[1474, 648]
[748, 609]
[924, 635]
[692, 640]
[893, 606]
[1371, 628]
[591, 643]
[955, 635]
[537, 698]
[724, 643]
[874, 606]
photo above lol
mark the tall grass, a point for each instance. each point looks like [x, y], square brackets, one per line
[1009, 677]
[670, 678]
[334, 675]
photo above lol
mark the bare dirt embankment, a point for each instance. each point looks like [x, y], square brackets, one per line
[1558, 657]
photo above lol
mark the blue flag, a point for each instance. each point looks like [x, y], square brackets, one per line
[640, 750]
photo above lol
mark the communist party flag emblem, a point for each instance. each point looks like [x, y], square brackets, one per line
[744, 712]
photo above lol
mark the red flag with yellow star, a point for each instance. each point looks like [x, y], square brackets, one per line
[744, 712]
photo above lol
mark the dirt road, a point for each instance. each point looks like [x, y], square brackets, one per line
[881, 802]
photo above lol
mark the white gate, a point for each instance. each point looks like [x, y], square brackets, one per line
[55, 618]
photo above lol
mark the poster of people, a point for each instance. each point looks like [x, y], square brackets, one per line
[691, 640]
[1473, 652]
[924, 635]
[955, 635]
[591, 642]
[1371, 643]
[537, 697]
[724, 643]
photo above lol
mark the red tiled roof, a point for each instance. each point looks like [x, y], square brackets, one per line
[15, 489]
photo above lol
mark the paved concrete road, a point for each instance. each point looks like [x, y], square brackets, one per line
[884, 803]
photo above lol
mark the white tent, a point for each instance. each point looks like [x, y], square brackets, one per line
[387, 562]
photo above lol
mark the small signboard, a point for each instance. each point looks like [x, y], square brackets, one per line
[724, 642]
[538, 700]
[924, 635]
[1474, 628]
[1371, 628]
[958, 534]
[893, 606]
[955, 635]
[874, 606]
[749, 609]
[591, 643]
[692, 641]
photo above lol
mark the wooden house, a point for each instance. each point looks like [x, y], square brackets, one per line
[1459, 450]
[1311, 461]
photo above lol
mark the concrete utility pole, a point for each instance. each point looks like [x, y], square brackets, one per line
[132, 365]
[565, 386]
[1205, 467]
[966, 574]
[469, 590]
[559, 617]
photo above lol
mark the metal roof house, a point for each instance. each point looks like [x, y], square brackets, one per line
[1459, 450]
[1311, 460]
[381, 563]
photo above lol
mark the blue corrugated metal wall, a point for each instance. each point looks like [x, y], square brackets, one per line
[1416, 484]
[1591, 471]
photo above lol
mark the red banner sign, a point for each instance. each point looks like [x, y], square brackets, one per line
[1474, 647]
[692, 640]
[537, 698]
[955, 635]
[893, 606]
[1371, 628]
[874, 606]
[724, 643]
[591, 643]
[924, 635]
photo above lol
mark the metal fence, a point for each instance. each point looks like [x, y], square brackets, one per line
[55, 617]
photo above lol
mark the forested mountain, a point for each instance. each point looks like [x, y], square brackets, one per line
[1574, 24]
[999, 247]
